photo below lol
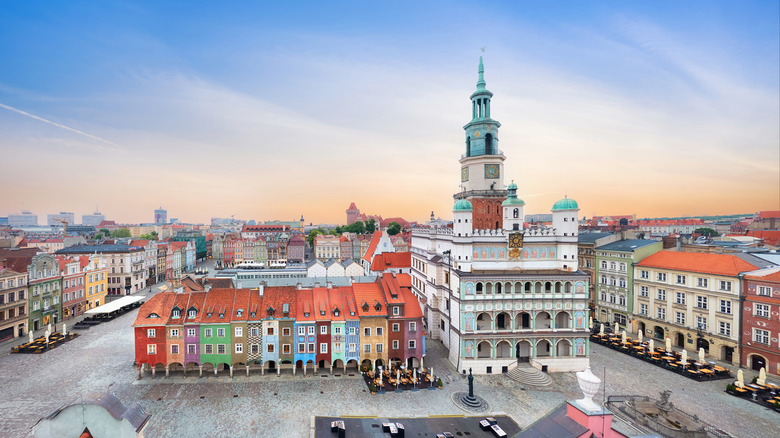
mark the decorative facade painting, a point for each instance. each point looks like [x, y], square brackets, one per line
[469, 349]
[489, 253]
[469, 323]
[579, 319]
[579, 347]
[579, 287]
[469, 287]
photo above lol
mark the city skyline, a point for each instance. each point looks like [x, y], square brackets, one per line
[660, 109]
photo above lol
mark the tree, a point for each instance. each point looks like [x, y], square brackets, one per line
[99, 236]
[709, 232]
[313, 234]
[394, 228]
[152, 236]
[370, 226]
[105, 231]
[121, 232]
[355, 227]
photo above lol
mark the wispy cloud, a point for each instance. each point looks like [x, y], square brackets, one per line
[59, 125]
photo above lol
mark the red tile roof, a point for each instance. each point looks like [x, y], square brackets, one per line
[768, 214]
[369, 293]
[335, 302]
[387, 260]
[412, 307]
[139, 242]
[180, 301]
[255, 305]
[321, 304]
[305, 303]
[372, 246]
[241, 302]
[218, 301]
[770, 274]
[276, 297]
[159, 305]
[717, 264]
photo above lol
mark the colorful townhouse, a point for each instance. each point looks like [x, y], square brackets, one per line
[73, 299]
[281, 328]
[95, 281]
[45, 287]
[759, 345]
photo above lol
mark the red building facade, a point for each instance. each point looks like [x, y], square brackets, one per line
[761, 320]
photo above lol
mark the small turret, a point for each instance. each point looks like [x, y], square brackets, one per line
[461, 215]
[513, 209]
[564, 214]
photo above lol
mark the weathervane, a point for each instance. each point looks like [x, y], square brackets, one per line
[483, 48]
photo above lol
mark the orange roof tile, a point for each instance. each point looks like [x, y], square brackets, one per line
[335, 302]
[372, 246]
[370, 294]
[159, 305]
[387, 260]
[305, 304]
[770, 274]
[180, 301]
[241, 303]
[412, 305]
[276, 297]
[218, 302]
[321, 304]
[717, 264]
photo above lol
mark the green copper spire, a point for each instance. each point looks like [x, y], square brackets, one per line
[481, 81]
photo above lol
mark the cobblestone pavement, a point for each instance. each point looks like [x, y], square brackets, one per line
[101, 360]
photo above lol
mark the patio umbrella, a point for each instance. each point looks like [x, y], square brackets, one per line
[652, 345]
[668, 345]
[64, 330]
[380, 377]
[415, 376]
[701, 354]
[684, 359]
[590, 323]
[639, 336]
[601, 330]
[422, 359]
[397, 377]
[623, 337]
[431, 376]
[740, 379]
[761, 376]
[32, 337]
[49, 328]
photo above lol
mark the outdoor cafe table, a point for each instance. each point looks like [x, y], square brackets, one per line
[707, 371]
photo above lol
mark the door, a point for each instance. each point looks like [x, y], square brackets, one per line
[758, 363]
[680, 340]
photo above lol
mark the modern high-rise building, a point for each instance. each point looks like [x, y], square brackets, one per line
[68, 217]
[494, 292]
[161, 216]
[93, 219]
[25, 218]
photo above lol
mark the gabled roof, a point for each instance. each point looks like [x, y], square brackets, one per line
[180, 301]
[277, 297]
[717, 264]
[390, 288]
[255, 306]
[218, 302]
[335, 304]
[139, 242]
[348, 301]
[159, 305]
[196, 301]
[305, 306]
[388, 260]
[241, 305]
[768, 274]
[412, 305]
[219, 283]
[321, 304]
[372, 246]
[367, 295]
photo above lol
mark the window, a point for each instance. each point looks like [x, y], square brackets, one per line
[286, 349]
[352, 348]
[286, 331]
[151, 349]
[174, 349]
[337, 347]
[643, 309]
[379, 331]
[239, 332]
[612, 298]
[412, 326]
[302, 331]
[269, 331]
[680, 279]
[379, 348]
[396, 310]
[352, 331]
[191, 333]
[661, 295]
[366, 348]
[622, 267]
[761, 310]
[725, 306]
[622, 282]
[174, 333]
[270, 348]
[395, 345]
[679, 298]
[725, 285]
[221, 349]
[207, 333]
[701, 302]
[311, 347]
[221, 332]
[412, 344]
[603, 264]
[603, 279]
[764, 291]
[150, 333]
[622, 300]
[301, 348]
[661, 276]
[761, 336]
[192, 314]
[643, 291]
[661, 313]
[310, 330]
[367, 331]
[323, 330]
[679, 318]
[701, 282]
[701, 323]
[191, 349]
[724, 328]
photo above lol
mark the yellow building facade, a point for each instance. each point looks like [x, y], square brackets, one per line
[96, 281]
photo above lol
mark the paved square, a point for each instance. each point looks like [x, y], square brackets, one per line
[101, 360]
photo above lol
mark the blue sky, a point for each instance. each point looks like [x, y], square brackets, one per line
[220, 108]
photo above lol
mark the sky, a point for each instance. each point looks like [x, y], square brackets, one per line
[258, 111]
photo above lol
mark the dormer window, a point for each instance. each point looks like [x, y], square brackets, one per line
[153, 315]
[285, 309]
[176, 313]
[378, 306]
[306, 314]
[351, 313]
[239, 312]
[365, 307]
[253, 314]
[336, 313]
[208, 314]
[396, 310]
[271, 311]
[322, 313]
[221, 316]
[192, 313]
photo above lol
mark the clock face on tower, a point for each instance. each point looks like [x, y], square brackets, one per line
[516, 240]
[492, 171]
[464, 174]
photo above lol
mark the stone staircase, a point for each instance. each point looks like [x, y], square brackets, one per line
[528, 375]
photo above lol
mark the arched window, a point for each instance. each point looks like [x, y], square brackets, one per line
[516, 213]
[489, 147]
[468, 146]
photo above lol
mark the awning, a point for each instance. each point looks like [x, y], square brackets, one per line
[113, 305]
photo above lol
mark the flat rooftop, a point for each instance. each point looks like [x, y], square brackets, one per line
[419, 426]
